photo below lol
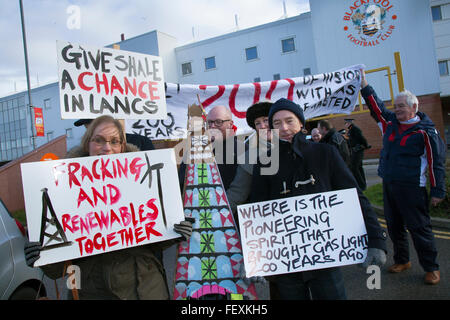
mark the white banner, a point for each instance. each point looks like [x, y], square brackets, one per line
[322, 94]
[302, 233]
[86, 206]
[104, 81]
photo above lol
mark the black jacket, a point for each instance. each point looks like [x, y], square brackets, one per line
[334, 138]
[298, 161]
[356, 139]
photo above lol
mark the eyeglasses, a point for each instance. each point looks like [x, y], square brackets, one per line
[217, 123]
[100, 141]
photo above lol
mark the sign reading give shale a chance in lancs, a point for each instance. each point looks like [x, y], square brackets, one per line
[104, 81]
[302, 233]
[86, 206]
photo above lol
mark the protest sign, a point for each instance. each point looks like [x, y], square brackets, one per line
[302, 233]
[104, 81]
[320, 94]
[86, 206]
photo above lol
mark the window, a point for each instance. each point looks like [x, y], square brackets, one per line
[307, 71]
[288, 45]
[257, 79]
[251, 53]
[47, 104]
[210, 63]
[49, 135]
[276, 76]
[186, 68]
[443, 68]
[436, 13]
[69, 133]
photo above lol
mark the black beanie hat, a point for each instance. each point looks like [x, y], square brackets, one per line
[82, 122]
[259, 109]
[285, 104]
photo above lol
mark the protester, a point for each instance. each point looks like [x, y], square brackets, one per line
[334, 138]
[224, 142]
[133, 273]
[315, 135]
[411, 144]
[220, 123]
[142, 142]
[300, 159]
[239, 189]
[357, 143]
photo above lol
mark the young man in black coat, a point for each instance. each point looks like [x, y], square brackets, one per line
[334, 138]
[300, 159]
[358, 144]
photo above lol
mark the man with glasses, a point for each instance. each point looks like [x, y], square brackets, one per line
[411, 147]
[225, 144]
[220, 123]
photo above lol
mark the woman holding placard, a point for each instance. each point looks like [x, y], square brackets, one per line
[131, 273]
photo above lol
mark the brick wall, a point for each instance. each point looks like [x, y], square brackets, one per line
[11, 191]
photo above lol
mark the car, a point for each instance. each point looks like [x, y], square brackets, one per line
[17, 280]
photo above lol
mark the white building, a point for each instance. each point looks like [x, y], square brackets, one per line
[331, 36]
[441, 26]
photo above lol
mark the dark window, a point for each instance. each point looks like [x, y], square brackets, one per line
[443, 68]
[288, 45]
[210, 63]
[251, 53]
[436, 13]
[186, 68]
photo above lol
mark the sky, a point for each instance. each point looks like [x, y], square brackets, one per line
[101, 22]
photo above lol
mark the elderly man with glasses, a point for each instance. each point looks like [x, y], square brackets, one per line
[225, 144]
[220, 123]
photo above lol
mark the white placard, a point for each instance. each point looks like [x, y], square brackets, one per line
[101, 203]
[302, 233]
[103, 81]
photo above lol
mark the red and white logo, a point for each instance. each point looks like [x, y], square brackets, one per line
[369, 22]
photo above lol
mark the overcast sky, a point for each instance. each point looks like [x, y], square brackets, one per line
[103, 21]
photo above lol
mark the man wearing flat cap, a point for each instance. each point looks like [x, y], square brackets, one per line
[357, 143]
[320, 168]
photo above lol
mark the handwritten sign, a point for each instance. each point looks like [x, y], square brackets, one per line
[86, 206]
[99, 81]
[319, 94]
[302, 233]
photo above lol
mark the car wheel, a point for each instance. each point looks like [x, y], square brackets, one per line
[24, 293]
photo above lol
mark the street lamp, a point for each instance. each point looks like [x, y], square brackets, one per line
[27, 72]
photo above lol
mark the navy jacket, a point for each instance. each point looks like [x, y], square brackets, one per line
[297, 161]
[405, 157]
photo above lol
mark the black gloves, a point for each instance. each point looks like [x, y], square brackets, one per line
[184, 228]
[32, 252]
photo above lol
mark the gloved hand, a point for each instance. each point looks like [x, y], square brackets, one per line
[247, 281]
[374, 256]
[32, 252]
[184, 228]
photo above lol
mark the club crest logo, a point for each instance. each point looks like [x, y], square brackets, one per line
[369, 22]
